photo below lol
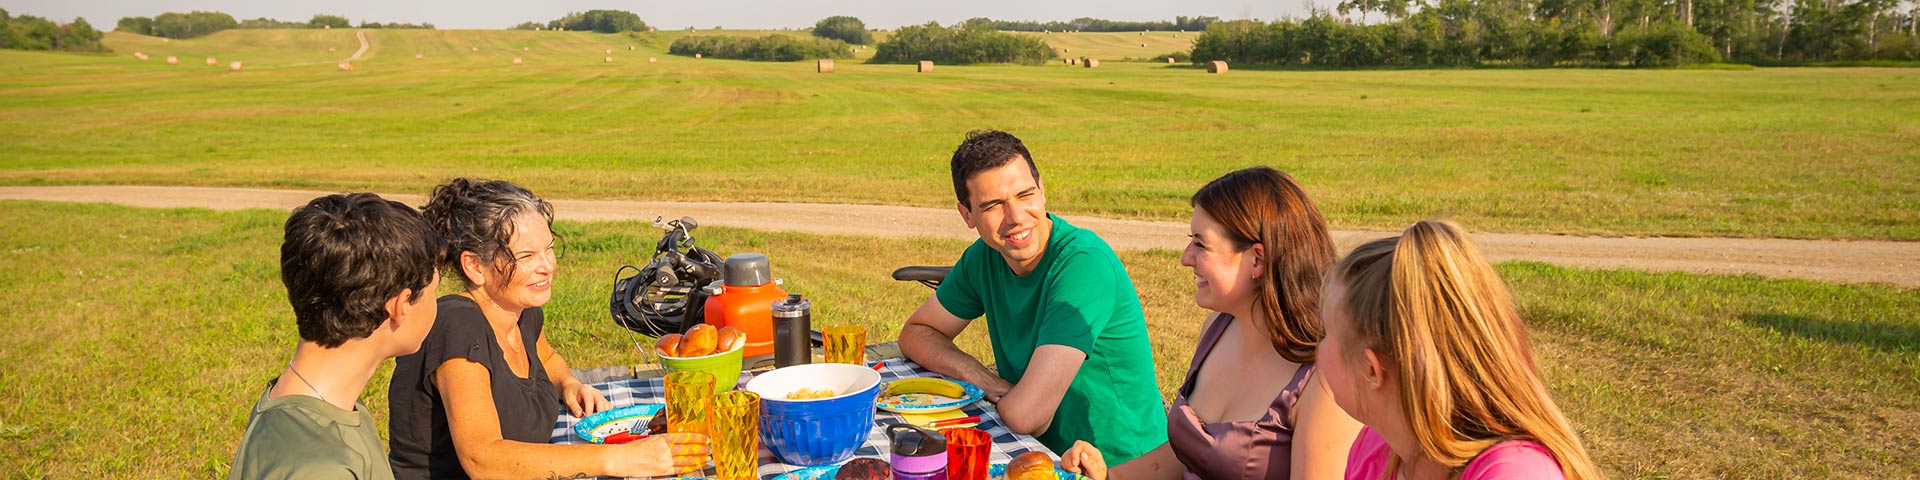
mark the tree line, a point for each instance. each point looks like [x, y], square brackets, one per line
[1086, 24]
[27, 32]
[1573, 33]
[770, 48]
[961, 44]
[602, 21]
[199, 24]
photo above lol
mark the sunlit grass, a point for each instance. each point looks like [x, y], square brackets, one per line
[1796, 153]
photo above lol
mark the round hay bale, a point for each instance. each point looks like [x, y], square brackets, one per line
[346, 66]
[652, 60]
[172, 60]
[139, 55]
[629, 48]
[475, 49]
[825, 65]
[166, 40]
[696, 56]
[1067, 61]
[1143, 45]
[233, 67]
[1093, 63]
[926, 66]
[606, 60]
[326, 27]
[1217, 66]
[330, 49]
[1169, 60]
[516, 60]
[211, 62]
[1066, 50]
[525, 49]
[419, 56]
[609, 51]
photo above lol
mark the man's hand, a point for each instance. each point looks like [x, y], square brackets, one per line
[927, 339]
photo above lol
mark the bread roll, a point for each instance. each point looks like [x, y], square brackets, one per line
[699, 341]
[1031, 466]
[669, 345]
[730, 338]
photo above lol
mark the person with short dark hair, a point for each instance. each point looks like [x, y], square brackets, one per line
[360, 275]
[1072, 360]
[481, 396]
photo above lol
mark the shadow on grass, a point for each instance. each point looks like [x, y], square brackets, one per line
[1892, 338]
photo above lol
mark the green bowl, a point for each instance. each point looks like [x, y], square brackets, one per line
[725, 367]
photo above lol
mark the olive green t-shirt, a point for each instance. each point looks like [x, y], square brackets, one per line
[298, 436]
[1079, 296]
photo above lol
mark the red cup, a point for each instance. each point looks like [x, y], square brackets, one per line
[967, 453]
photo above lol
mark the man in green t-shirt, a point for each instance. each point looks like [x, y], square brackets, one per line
[360, 274]
[1070, 347]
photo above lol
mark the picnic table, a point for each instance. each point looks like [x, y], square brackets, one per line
[1006, 443]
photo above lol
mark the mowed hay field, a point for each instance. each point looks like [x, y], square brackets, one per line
[1116, 46]
[140, 337]
[1797, 153]
[166, 323]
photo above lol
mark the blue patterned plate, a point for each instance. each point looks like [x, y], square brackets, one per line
[927, 402]
[595, 428]
[826, 472]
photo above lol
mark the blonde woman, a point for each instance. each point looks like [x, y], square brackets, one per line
[1425, 348]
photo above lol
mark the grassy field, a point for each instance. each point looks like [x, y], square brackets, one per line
[1796, 153]
[138, 338]
[1114, 46]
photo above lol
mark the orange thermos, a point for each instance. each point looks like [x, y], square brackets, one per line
[746, 301]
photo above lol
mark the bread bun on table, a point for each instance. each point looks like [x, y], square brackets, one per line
[1031, 466]
[669, 345]
[729, 339]
[699, 341]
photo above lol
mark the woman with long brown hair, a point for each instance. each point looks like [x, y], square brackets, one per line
[1252, 405]
[1424, 346]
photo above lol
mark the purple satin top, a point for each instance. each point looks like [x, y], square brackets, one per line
[1227, 450]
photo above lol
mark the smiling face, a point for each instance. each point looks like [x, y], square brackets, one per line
[1225, 273]
[529, 283]
[1007, 206]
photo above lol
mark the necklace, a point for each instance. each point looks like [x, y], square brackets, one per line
[303, 379]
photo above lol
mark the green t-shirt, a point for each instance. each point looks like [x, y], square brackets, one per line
[297, 436]
[1079, 296]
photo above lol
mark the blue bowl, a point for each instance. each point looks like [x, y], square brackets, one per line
[816, 431]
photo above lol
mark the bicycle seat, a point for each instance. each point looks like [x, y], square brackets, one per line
[921, 274]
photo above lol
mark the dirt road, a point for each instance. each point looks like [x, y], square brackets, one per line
[1827, 260]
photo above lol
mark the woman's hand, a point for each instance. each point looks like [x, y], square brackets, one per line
[1085, 460]
[581, 399]
[664, 455]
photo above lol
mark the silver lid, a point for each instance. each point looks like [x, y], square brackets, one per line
[748, 270]
[794, 306]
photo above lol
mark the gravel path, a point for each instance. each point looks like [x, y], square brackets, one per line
[1826, 260]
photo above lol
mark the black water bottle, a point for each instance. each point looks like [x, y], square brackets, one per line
[792, 331]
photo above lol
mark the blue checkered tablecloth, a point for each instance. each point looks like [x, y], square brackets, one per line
[1006, 444]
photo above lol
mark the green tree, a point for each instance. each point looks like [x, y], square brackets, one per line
[192, 24]
[140, 25]
[960, 45]
[324, 21]
[843, 28]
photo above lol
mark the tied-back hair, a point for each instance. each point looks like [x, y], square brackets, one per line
[1436, 312]
[1265, 206]
[477, 216]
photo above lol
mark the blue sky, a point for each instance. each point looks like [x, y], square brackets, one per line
[744, 14]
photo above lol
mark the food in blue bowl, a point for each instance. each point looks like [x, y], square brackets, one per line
[816, 414]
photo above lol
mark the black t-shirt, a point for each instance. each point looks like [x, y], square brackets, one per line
[421, 442]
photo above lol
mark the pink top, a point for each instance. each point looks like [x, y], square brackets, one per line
[1512, 459]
